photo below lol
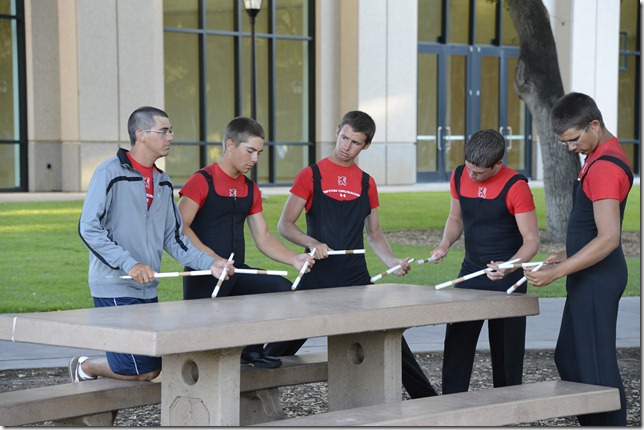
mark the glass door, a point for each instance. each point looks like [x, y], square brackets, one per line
[462, 89]
[499, 107]
[442, 110]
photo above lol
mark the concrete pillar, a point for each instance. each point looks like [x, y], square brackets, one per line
[367, 61]
[587, 37]
[90, 63]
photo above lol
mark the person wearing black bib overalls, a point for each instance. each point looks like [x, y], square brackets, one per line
[593, 261]
[340, 202]
[215, 203]
[493, 207]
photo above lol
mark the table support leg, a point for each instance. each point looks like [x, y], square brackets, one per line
[364, 369]
[201, 388]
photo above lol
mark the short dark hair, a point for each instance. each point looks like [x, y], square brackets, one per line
[360, 122]
[574, 110]
[242, 128]
[485, 148]
[143, 119]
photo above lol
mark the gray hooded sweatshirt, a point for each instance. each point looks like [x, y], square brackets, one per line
[120, 231]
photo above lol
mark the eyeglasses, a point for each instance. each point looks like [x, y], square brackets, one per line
[574, 142]
[165, 132]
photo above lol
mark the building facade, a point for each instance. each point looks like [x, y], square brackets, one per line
[430, 72]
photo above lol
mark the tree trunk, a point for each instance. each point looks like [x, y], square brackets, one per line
[538, 83]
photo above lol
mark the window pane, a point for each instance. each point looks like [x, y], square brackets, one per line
[459, 21]
[516, 124]
[508, 32]
[456, 107]
[291, 92]
[289, 160]
[220, 15]
[485, 22]
[427, 102]
[8, 85]
[182, 85]
[180, 14]
[291, 17]
[629, 15]
[626, 120]
[9, 166]
[490, 92]
[5, 7]
[261, 80]
[220, 86]
[182, 162]
[430, 14]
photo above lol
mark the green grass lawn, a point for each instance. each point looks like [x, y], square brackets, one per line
[45, 263]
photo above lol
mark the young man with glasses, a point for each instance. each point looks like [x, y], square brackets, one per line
[593, 261]
[493, 206]
[129, 217]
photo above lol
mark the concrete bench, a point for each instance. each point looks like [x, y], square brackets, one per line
[91, 402]
[492, 407]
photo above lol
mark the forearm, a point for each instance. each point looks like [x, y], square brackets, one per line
[382, 249]
[293, 234]
[594, 252]
[190, 234]
[275, 250]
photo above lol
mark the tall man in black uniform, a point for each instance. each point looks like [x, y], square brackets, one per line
[593, 261]
[340, 201]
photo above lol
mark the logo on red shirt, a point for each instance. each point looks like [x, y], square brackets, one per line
[482, 193]
[342, 180]
[232, 192]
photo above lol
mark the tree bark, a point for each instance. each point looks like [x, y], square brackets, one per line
[538, 83]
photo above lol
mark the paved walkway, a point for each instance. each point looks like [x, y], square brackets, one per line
[541, 333]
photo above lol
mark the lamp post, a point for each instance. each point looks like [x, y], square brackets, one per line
[252, 8]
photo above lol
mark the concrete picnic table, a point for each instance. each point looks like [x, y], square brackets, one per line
[201, 340]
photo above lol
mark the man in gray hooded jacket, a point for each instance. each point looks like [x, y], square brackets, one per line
[129, 218]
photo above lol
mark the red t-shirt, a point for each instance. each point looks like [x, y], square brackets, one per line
[606, 180]
[196, 187]
[519, 198]
[147, 178]
[338, 182]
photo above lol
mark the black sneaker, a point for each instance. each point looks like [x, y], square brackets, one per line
[259, 359]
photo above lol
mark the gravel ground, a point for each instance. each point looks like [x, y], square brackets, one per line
[312, 398]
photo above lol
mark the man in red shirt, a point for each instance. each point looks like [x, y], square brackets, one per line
[593, 261]
[215, 203]
[340, 201]
[493, 206]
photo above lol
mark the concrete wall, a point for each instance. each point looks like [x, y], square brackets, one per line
[90, 63]
[366, 57]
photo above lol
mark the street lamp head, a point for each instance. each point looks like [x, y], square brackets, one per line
[252, 7]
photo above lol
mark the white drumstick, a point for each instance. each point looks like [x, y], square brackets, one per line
[208, 272]
[426, 260]
[523, 279]
[470, 276]
[389, 272]
[302, 270]
[221, 278]
[346, 251]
